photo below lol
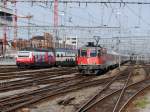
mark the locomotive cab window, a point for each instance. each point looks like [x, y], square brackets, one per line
[99, 53]
[24, 54]
[83, 53]
[78, 52]
[93, 53]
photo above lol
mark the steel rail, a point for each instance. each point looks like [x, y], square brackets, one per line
[34, 70]
[122, 109]
[35, 82]
[115, 92]
[9, 101]
[94, 82]
[98, 93]
[42, 89]
[56, 92]
[37, 76]
[34, 74]
[42, 94]
[122, 93]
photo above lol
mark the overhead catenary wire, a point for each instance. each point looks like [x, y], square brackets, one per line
[83, 1]
[140, 17]
[70, 14]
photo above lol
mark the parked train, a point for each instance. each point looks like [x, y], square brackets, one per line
[93, 59]
[45, 58]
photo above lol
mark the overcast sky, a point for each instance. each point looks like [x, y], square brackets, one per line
[133, 19]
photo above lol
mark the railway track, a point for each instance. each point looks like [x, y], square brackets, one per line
[62, 85]
[134, 96]
[137, 94]
[11, 103]
[112, 100]
[23, 83]
[33, 73]
[4, 70]
[8, 66]
[36, 95]
[17, 71]
[14, 102]
[36, 79]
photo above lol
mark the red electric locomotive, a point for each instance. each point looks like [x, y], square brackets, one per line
[94, 59]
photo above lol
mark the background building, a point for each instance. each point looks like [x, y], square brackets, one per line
[73, 41]
[45, 41]
[6, 15]
[69, 42]
[6, 19]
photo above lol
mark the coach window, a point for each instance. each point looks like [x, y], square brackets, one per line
[57, 55]
[43, 58]
[61, 55]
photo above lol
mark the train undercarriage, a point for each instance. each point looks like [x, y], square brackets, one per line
[95, 69]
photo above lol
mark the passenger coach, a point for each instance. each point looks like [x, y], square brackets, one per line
[65, 57]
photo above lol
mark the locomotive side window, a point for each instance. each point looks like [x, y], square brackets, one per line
[83, 53]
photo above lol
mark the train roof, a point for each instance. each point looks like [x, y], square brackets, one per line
[116, 53]
[37, 49]
[65, 49]
[48, 50]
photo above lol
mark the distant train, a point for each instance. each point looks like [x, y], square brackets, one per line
[93, 59]
[45, 58]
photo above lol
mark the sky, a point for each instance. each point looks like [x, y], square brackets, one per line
[133, 20]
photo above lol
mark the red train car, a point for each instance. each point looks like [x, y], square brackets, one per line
[36, 57]
[93, 59]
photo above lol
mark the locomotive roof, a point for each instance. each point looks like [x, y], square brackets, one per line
[86, 47]
[90, 45]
